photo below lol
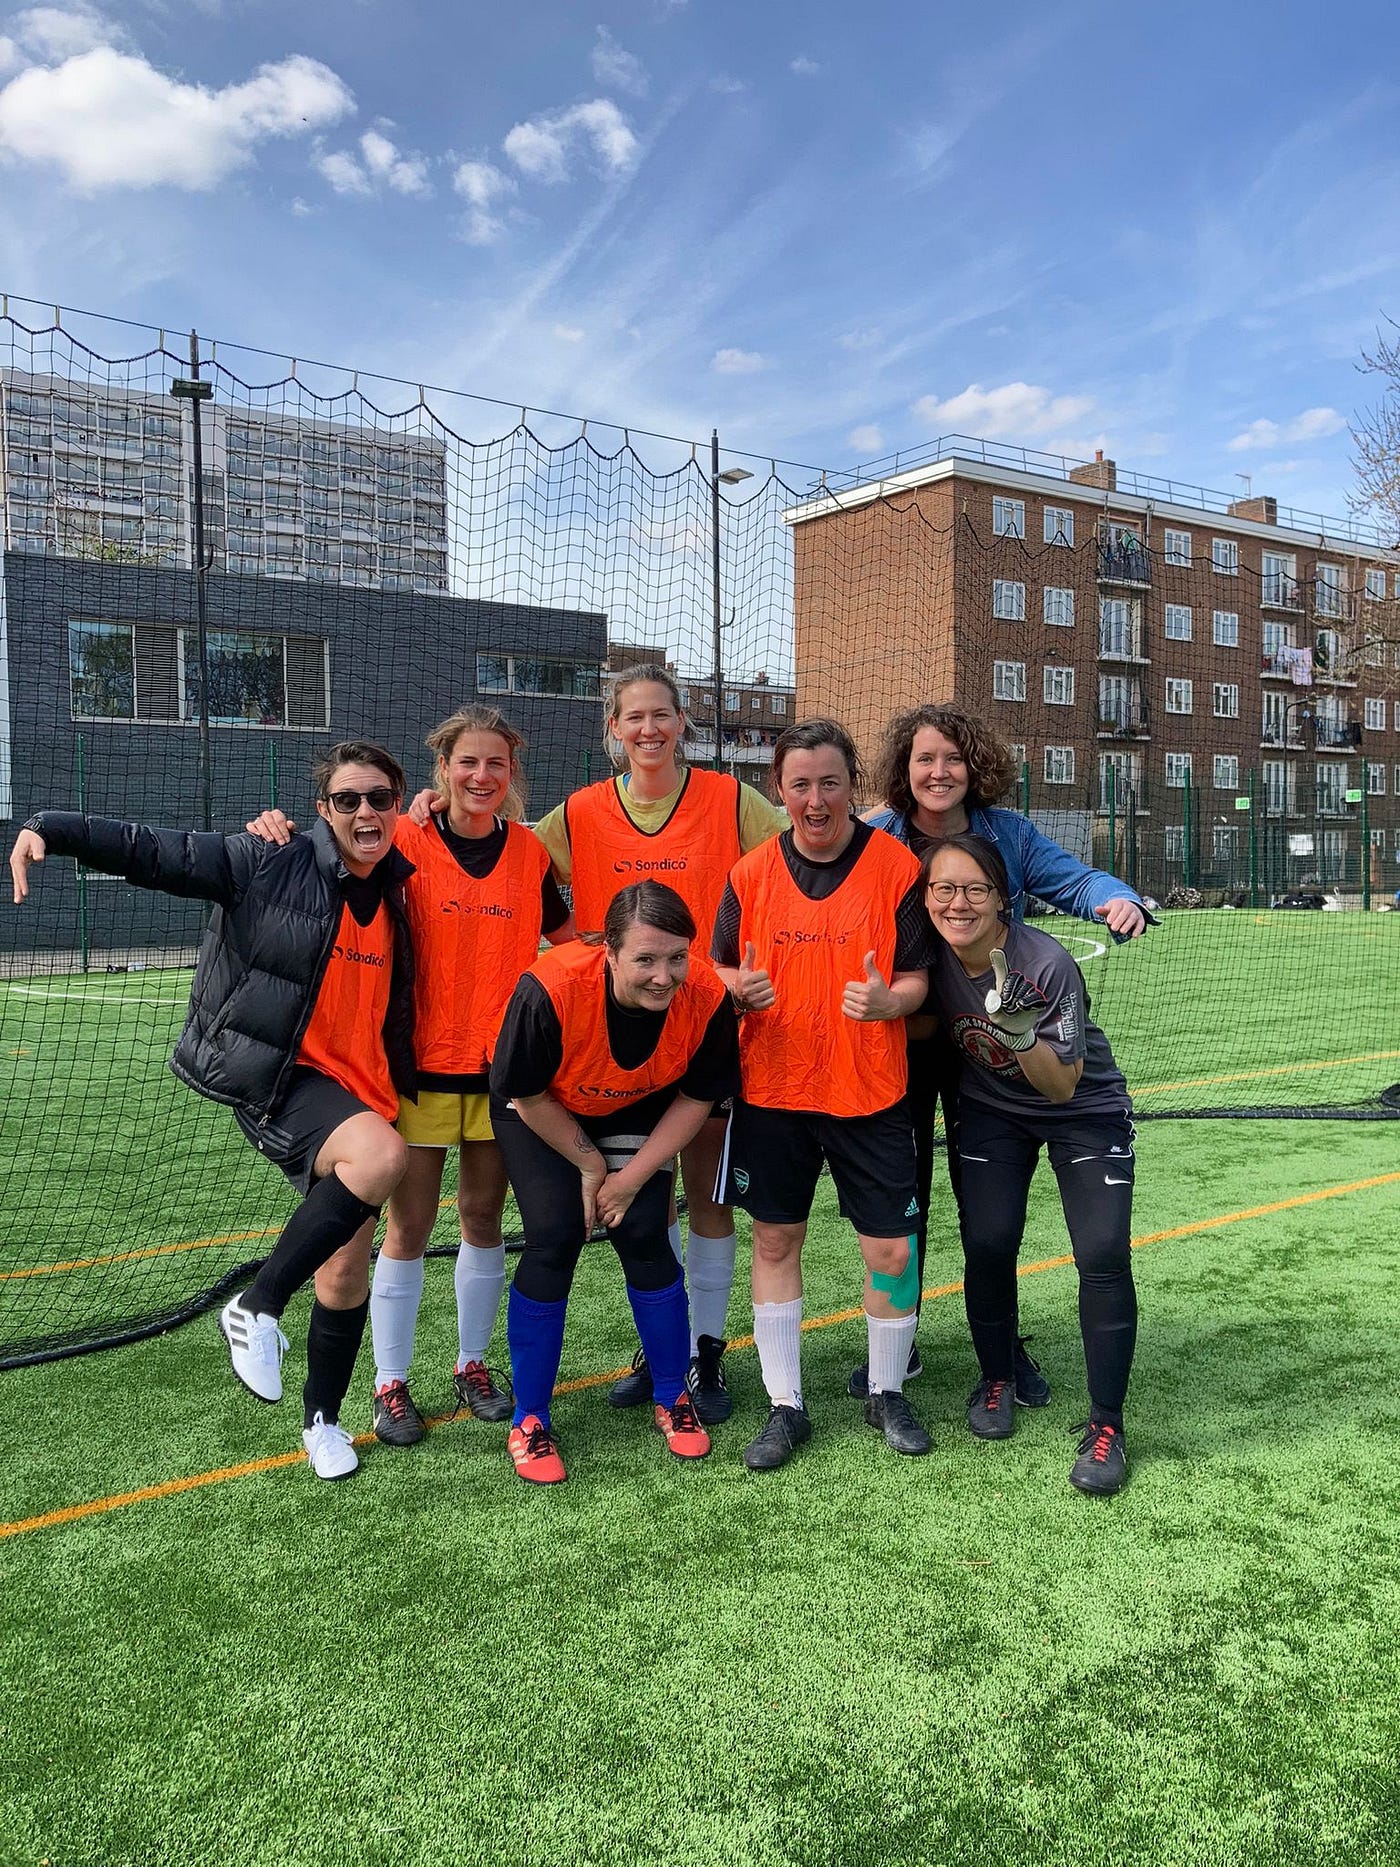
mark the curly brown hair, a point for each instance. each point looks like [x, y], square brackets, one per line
[991, 775]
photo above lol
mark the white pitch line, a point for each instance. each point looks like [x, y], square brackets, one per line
[1097, 949]
[94, 998]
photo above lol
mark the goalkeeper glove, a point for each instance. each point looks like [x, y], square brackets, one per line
[1015, 1004]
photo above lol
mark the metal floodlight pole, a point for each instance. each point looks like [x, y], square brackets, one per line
[194, 391]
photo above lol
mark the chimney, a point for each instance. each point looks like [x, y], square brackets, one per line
[1261, 507]
[1097, 472]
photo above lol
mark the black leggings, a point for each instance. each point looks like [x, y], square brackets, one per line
[1092, 1158]
[547, 1192]
[933, 1078]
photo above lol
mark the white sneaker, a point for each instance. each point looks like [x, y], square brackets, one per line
[329, 1449]
[256, 1346]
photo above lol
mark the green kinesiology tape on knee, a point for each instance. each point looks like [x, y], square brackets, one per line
[902, 1291]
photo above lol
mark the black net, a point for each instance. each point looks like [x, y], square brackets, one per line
[378, 554]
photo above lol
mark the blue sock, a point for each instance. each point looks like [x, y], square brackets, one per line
[663, 1323]
[535, 1332]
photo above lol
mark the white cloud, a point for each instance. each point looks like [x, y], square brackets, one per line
[867, 439]
[569, 333]
[737, 362]
[804, 67]
[111, 120]
[301, 208]
[620, 69]
[1311, 425]
[51, 34]
[481, 185]
[380, 164]
[541, 146]
[1016, 409]
[9, 54]
[728, 87]
[864, 339]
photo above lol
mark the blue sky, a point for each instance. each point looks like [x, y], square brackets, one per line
[831, 231]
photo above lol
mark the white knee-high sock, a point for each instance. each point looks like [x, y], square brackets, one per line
[393, 1316]
[710, 1276]
[890, 1339]
[673, 1234]
[480, 1279]
[777, 1331]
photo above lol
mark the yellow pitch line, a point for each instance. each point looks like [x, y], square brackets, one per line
[1248, 1076]
[173, 1487]
[146, 1251]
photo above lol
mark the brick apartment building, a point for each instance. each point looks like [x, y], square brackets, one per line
[1154, 654]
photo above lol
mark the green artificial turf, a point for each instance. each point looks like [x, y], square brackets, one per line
[859, 1659]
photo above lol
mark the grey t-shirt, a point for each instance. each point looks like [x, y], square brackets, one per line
[993, 1074]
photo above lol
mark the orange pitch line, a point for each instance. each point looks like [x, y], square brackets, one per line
[173, 1487]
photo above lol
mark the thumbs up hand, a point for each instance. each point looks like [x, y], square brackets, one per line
[1015, 1004]
[753, 988]
[869, 1000]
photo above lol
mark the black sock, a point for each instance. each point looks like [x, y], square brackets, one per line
[1106, 1416]
[332, 1343]
[326, 1219]
[995, 1346]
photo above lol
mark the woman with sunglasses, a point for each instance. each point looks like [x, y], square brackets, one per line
[301, 1021]
[687, 827]
[940, 770]
[1038, 1073]
[479, 898]
[822, 939]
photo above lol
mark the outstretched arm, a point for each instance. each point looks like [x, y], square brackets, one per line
[197, 864]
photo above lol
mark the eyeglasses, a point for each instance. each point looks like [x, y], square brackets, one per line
[977, 893]
[382, 797]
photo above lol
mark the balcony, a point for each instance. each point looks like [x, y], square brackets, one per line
[1124, 563]
[1284, 664]
[1337, 733]
[1278, 591]
[1126, 722]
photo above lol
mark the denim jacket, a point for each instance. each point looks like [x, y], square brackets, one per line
[1034, 864]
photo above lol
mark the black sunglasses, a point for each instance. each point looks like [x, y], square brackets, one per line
[382, 797]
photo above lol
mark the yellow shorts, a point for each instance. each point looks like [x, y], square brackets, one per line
[441, 1118]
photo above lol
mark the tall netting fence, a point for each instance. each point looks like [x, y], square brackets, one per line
[374, 555]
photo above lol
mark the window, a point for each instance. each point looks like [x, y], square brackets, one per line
[1327, 655]
[685, 698]
[1178, 622]
[1059, 607]
[1280, 787]
[1225, 843]
[1008, 600]
[1375, 780]
[1395, 716]
[1375, 716]
[755, 703]
[1120, 780]
[1226, 700]
[1395, 786]
[1225, 629]
[1378, 839]
[247, 678]
[1174, 842]
[1279, 585]
[1178, 769]
[1059, 764]
[1009, 518]
[1328, 589]
[731, 703]
[1018, 757]
[1059, 525]
[1120, 628]
[780, 704]
[1227, 772]
[1178, 696]
[535, 674]
[1331, 780]
[1009, 680]
[1225, 556]
[1374, 651]
[1176, 548]
[1375, 585]
[1059, 687]
[102, 670]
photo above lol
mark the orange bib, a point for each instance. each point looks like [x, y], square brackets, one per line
[589, 1080]
[805, 1053]
[345, 1038]
[692, 852]
[471, 941]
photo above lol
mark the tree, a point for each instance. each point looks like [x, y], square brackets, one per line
[1375, 437]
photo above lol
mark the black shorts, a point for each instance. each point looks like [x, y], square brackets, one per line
[1005, 1137]
[774, 1159]
[310, 1111]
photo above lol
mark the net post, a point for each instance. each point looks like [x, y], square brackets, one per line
[193, 390]
[715, 595]
[82, 871]
[1112, 818]
[1025, 788]
[1253, 842]
[272, 774]
[1187, 866]
[1365, 837]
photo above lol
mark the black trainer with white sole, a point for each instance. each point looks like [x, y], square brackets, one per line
[706, 1383]
[785, 1429]
[892, 1415]
[858, 1387]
